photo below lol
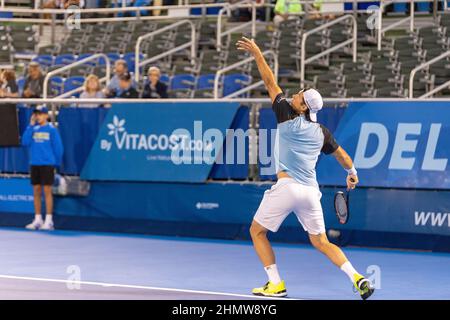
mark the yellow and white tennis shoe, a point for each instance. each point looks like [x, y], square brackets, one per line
[271, 290]
[363, 286]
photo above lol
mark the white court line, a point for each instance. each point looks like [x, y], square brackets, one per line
[103, 284]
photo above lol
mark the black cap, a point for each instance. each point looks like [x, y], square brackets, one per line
[40, 109]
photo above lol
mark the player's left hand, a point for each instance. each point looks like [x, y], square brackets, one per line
[248, 45]
[352, 181]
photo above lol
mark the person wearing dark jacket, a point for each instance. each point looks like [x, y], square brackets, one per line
[128, 91]
[155, 89]
[34, 82]
[46, 150]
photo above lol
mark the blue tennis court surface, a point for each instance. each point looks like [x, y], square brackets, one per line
[47, 265]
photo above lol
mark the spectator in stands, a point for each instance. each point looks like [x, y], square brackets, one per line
[285, 10]
[240, 14]
[8, 85]
[62, 4]
[126, 86]
[92, 90]
[155, 89]
[34, 81]
[113, 89]
[46, 151]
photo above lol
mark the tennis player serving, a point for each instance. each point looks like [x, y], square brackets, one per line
[298, 143]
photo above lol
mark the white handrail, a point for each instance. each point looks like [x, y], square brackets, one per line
[96, 20]
[304, 61]
[191, 43]
[421, 67]
[382, 30]
[71, 101]
[21, 9]
[238, 64]
[436, 90]
[79, 89]
[111, 10]
[75, 64]
[228, 8]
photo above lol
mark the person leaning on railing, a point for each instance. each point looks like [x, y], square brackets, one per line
[8, 85]
[154, 88]
[128, 91]
[92, 90]
[114, 90]
[34, 82]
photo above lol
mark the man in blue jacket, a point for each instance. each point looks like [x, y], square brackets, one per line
[46, 151]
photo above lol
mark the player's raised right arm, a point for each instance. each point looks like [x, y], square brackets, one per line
[263, 68]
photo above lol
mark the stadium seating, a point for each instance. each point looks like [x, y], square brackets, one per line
[376, 73]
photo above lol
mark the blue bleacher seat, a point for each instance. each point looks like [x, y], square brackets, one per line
[182, 81]
[141, 3]
[112, 58]
[205, 81]
[84, 56]
[64, 59]
[20, 84]
[128, 3]
[130, 59]
[56, 85]
[6, 15]
[361, 5]
[399, 7]
[44, 60]
[209, 11]
[165, 79]
[423, 6]
[235, 82]
[72, 83]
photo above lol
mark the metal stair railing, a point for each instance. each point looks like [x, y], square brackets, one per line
[381, 30]
[71, 66]
[192, 43]
[423, 66]
[238, 64]
[353, 40]
[227, 8]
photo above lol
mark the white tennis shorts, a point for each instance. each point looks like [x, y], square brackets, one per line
[287, 196]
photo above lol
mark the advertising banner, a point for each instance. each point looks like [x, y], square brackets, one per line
[171, 142]
[393, 144]
[16, 195]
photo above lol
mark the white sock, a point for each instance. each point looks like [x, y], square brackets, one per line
[48, 218]
[349, 270]
[272, 273]
[38, 218]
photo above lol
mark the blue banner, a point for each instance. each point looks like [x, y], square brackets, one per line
[235, 150]
[173, 142]
[16, 195]
[86, 122]
[403, 211]
[400, 145]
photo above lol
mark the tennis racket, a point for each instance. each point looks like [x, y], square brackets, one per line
[341, 206]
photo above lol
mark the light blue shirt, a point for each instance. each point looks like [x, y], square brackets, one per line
[298, 143]
[301, 142]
